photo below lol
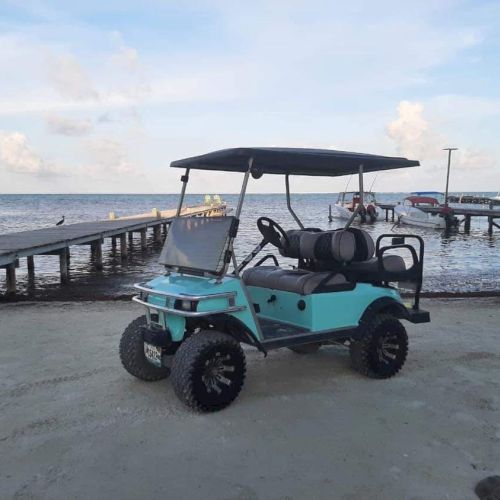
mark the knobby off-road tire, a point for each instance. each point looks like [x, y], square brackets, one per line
[208, 371]
[132, 354]
[306, 348]
[382, 352]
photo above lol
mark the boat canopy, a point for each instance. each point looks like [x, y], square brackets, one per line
[292, 161]
[426, 200]
[427, 193]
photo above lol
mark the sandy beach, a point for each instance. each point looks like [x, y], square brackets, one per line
[74, 424]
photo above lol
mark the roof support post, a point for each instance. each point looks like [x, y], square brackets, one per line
[361, 187]
[448, 174]
[184, 179]
[289, 204]
[361, 199]
[244, 189]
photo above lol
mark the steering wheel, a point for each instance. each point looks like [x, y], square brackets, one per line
[273, 233]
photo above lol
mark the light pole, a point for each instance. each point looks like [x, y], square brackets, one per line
[448, 174]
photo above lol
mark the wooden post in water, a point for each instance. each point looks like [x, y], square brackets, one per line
[157, 233]
[467, 224]
[97, 251]
[63, 264]
[123, 246]
[131, 237]
[490, 225]
[113, 244]
[144, 243]
[10, 270]
[30, 261]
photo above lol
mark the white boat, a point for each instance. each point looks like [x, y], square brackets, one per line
[348, 201]
[409, 211]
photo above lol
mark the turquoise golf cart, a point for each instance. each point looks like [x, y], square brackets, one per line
[338, 286]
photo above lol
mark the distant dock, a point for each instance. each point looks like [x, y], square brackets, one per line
[58, 240]
[491, 214]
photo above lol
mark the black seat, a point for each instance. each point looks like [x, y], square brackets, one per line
[336, 246]
[295, 280]
[364, 267]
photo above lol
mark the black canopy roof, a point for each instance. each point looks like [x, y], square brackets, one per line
[294, 161]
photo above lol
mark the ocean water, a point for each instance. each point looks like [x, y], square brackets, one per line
[453, 263]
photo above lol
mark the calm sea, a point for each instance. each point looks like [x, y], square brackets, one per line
[453, 263]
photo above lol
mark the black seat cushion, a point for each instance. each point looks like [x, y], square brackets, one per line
[369, 269]
[295, 280]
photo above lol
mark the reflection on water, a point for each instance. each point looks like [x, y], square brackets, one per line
[453, 263]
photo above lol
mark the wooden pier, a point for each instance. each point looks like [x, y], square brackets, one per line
[468, 213]
[57, 240]
[492, 214]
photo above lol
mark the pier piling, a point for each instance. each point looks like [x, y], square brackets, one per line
[97, 253]
[157, 234]
[30, 261]
[467, 224]
[10, 270]
[144, 243]
[123, 246]
[64, 264]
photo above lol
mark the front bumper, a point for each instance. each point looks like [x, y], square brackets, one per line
[168, 301]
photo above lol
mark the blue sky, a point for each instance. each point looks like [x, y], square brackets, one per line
[101, 96]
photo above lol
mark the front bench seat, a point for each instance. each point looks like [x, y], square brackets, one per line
[295, 280]
[335, 245]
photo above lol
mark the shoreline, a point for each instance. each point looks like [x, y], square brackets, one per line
[5, 299]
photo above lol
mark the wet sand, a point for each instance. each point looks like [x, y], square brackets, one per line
[74, 424]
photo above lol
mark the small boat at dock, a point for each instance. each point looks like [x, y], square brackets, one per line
[348, 201]
[410, 212]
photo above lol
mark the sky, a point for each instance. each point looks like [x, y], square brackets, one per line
[100, 97]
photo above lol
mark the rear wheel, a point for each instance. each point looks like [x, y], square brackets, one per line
[306, 348]
[382, 352]
[132, 354]
[208, 371]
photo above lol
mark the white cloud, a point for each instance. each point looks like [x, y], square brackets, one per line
[17, 156]
[65, 126]
[125, 57]
[69, 78]
[109, 158]
[415, 138]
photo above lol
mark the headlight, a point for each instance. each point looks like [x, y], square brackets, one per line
[186, 305]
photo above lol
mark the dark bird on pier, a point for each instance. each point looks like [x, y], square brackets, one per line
[61, 222]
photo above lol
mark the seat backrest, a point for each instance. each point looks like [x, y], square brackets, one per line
[337, 246]
[365, 247]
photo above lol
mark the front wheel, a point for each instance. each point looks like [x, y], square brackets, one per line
[382, 352]
[208, 371]
[132, 354]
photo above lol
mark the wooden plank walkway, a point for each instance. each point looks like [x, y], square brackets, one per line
[57, 240]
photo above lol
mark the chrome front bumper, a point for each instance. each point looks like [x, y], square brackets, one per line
[171, 297]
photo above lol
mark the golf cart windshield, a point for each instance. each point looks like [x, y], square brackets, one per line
[198, 244]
